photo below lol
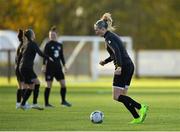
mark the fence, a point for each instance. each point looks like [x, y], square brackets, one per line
[155, 63]
[7, 63]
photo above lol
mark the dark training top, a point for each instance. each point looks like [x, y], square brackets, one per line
[117, 51]
[54, 49]
[18, 56]
[29, 54]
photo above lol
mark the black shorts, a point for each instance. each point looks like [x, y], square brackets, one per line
[19, 77]
[54, 72]
[124, 79]
[28, 75]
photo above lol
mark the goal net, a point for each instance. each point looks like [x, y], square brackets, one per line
[83, 53]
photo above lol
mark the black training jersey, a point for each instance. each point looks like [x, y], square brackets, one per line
[18, 56]
[54, 49]
[117, 51]
[29, 53]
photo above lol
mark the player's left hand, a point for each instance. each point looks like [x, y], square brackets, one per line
[43, 69]
[102, 63]
[118, 71]
[65, 69]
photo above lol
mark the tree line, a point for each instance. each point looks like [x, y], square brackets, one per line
[153, 24]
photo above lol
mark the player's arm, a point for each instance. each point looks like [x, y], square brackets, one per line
[62, 56]
[62, 59]
[43, 69]
[115, 49]
[17, 54]
[107, 60]
[46, 52]
[117, 53]
[40, 53]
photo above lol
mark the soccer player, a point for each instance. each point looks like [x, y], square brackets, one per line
[20, 80]
[124, 68]
[54, 49]
[26, 69]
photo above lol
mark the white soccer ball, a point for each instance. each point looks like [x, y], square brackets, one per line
[97, 116]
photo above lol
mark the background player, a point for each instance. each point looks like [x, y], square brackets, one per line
[53, 69]
[20, 80]
[26, 68]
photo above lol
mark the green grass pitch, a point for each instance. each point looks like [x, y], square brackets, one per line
[162, 96]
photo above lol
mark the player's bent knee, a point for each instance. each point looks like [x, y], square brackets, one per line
[117, 91]
[115, 97]
[38, 82]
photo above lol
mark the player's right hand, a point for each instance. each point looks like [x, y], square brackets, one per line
[118, 71]
[102, 63]
[65, 69]
[43, 69]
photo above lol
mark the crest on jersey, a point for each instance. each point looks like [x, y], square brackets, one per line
[109, 41]
[59, 47]
[52, 47]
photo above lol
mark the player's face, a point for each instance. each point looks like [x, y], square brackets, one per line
[52, 35]
[98, 31]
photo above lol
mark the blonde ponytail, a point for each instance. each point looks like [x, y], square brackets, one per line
[107, 18]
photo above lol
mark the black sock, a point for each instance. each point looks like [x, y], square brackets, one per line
[125, 100]
[23, 92]
[46, 95]
[134, 103]
[18, 95]
[35, 93]
[26, 96]
[63, 93]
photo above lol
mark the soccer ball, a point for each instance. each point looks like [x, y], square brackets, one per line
[97, 116]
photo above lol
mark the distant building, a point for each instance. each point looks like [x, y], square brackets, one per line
[8, 39]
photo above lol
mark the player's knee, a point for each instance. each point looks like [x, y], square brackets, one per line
[36, 81]
[63, 84]
[31, 86]
[115, 97]
[49, 84]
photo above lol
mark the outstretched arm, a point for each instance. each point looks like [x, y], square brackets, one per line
[103, 62]
[41, 53]
[109, 59]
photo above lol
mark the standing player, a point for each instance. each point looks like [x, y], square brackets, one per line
[124, 68]
[54, 49]
[20, 80]
[26, 69]
[21, 90]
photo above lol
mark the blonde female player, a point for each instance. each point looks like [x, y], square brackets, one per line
[124, 68]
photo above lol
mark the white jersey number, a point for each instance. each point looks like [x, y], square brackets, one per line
[56, 53]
